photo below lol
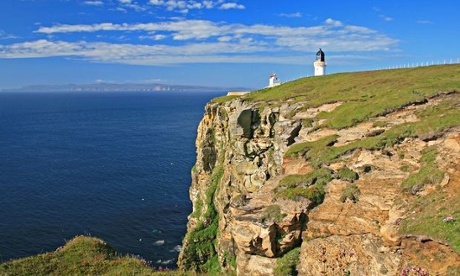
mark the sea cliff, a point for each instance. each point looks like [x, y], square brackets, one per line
[346, 174]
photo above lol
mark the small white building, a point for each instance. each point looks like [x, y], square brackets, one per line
[320, 63]
[273, 80]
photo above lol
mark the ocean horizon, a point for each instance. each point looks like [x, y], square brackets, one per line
[111, 165]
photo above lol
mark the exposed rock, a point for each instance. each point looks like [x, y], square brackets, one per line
[248, 144]
[347, 255]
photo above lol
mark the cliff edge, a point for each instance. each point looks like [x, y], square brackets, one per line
[346, 174]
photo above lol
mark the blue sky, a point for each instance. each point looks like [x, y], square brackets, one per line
[216, 42]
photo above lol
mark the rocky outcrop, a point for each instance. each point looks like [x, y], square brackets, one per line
[246, 218]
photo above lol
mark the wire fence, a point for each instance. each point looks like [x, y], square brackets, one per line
[401, 66]
[419, 64]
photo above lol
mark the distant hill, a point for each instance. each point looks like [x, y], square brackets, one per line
[118, 87]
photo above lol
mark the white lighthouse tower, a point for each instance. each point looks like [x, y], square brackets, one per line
[320, 63]
[273, 80]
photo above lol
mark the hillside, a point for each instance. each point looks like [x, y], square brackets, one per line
[344, 174]
[81, 256]
[351, 172]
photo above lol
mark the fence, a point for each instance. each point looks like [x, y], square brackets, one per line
[411, 65]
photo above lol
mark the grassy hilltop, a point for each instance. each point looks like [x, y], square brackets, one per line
[363, 97]
[366, 94]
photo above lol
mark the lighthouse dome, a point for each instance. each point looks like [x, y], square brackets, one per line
[320, 55]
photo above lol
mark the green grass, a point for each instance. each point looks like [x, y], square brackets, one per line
[350, 192]
[347, 174]
[200, 254]
[314, 193]
[320, 176]
[223, 99]
[365, 94]
[310, 186]
[433, 121]
[429, 174]
[81, 256]
[272, 213]
[314, 151]
[287, 265]
[427, 214]
[379, 124]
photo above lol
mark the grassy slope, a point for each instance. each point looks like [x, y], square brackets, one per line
[366, 94]
[81, 256]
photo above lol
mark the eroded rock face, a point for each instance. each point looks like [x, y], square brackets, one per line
[240, 161]
[354, 254]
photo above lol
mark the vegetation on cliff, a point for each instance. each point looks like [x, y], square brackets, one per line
[286, 265]
[310, 186]
[81, 256]
[200, 254]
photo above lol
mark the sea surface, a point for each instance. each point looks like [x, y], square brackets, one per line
[111, 165]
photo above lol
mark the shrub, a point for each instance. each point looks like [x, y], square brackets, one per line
[351, 192]
[379, 124]
[307, 122]
[287, 265]
[347, 174]
[320, 176]
[314, 193]
[404, 168]
[272, 213]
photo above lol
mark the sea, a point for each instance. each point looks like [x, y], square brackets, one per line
[113, 165]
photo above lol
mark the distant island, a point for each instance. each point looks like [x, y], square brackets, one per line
[117, 87]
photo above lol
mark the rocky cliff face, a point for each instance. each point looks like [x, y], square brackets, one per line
[267, 201]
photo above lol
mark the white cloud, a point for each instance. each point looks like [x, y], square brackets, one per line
[127, 53]
[228, 6]
[183, 6]
[93, 3]
[424, 22]
[180, 30]
[157, 2]
[203, 41]
[291, 15]
[386, 18]
[156, 37]
[331, 33]
[131, 4]
[5, 35]
[333, 22]
[154, 55]
[224, 38]
[381, 15]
